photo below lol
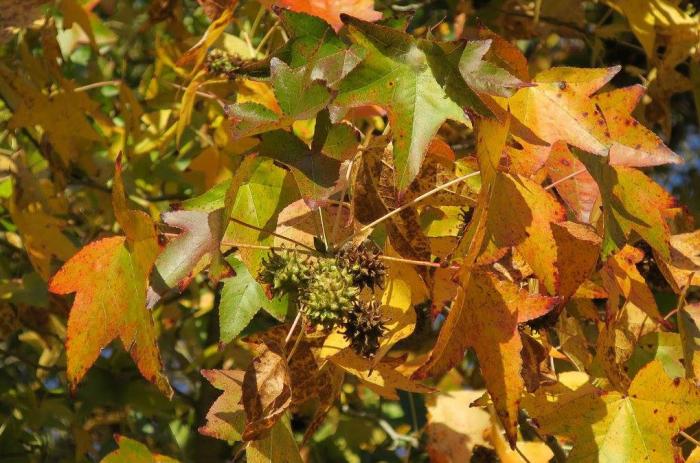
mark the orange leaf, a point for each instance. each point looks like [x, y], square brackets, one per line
[330, 10]
[492, 310]
[109, 277]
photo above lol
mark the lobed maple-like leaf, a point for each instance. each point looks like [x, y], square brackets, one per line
[241, 298]
[488, 322]
[563, 106]
[608, 426]
[415, 80]
[109, 277]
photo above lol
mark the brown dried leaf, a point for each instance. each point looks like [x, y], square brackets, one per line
[267, 391]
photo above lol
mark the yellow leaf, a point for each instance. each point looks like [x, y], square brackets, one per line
[187, 104]
[453, 427]
[195, 56]
[382, 378]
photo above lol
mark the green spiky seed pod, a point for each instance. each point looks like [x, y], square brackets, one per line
[219, 62]
[363, 327]
[285, 272]
[330, 293]
[364, 264]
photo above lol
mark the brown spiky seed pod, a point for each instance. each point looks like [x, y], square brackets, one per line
[364, 264]
[219, 62]
[364, 326]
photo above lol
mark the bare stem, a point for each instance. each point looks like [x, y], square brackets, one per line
[565, 178]
[294, 325]
[87, 87]
[249, 225]
[413, 202]
[310, 251]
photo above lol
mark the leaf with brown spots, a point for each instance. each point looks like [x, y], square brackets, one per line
[563, 106]
[631, 202]
[610, 426]
[110, 277]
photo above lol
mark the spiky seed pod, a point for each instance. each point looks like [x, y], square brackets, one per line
[366, 267]
[285, 271]
[330, 293]
[363, 327]
[221, 63]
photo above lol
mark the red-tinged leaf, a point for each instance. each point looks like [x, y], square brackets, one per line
[449, 347]
[330, 10]
[109, 278]
[574, 184]
[226, 417]
[562, 107]
[483, 76]
[200, 236]
[131, 451]
[631, 144]
[493, 308]
[267, 391]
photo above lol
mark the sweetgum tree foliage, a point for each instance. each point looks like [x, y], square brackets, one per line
[309, 231]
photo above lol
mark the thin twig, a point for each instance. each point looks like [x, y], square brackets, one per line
[207, 95]
[682, 297]
[313, 252]
[565, 178]
[291, 240]
[298, 341]
[87, 87]
[294, 325]
[266, 37]
[413, 202]
[690, 438]
[522, 455]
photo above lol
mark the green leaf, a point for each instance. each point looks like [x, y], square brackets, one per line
[315, 45]
[415, 80]
[252, 118]
[299, 96]
[258, 201]
[315, 173]
[241, 298]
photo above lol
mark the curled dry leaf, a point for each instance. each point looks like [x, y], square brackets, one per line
[267, 392]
